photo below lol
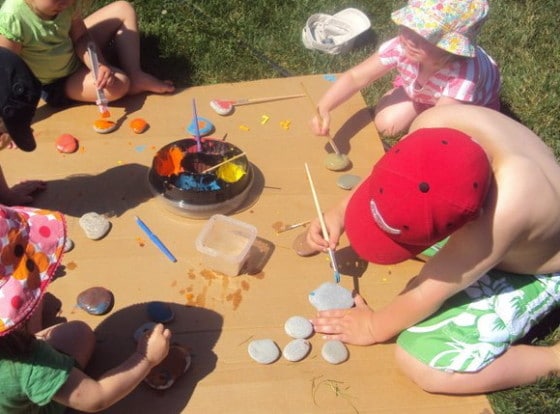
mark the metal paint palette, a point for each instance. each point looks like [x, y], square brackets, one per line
[181, 178]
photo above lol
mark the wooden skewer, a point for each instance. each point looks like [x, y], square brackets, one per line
[331, 141]
[245, 101]
[323, 225]
[222, 163]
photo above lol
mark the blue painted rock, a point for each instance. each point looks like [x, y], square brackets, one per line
[160, 312]
[96, 300]
[205, 127]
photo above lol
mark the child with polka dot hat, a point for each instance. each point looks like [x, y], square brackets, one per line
[42, 371]
[437, 61]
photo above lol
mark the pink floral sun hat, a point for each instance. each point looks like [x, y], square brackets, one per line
[31, 246]
[451, 25]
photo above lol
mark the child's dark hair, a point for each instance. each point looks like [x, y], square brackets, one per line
[17, 344]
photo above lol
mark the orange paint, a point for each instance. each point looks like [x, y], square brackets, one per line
[105, 114]
[104, 126]
[138, 125]
[169, 162]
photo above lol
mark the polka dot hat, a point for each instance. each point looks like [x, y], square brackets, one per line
[31, 245]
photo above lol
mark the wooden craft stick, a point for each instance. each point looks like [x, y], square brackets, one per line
[222, 163]
[316, 108]
[323, 225]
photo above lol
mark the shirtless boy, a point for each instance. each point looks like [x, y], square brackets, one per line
[493, 187]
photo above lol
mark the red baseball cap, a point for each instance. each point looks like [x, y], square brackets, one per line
[423, 189]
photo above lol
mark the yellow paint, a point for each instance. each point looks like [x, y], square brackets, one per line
[230, 172]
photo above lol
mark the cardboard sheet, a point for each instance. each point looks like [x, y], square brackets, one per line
[216, 316]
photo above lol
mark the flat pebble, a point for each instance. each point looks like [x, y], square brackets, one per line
[348, 181]
[296, 350]
[66, 143]
[298, 327]
[96, 300]
[337, 162]
[160, 312]
[301, 247]
[331, 296]
[334, 352]
[264, 351]
[143, 330]
[68, 245]
[94, 225]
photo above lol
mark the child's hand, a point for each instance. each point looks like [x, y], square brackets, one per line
[334, 222]
[320, 124]
[353, 326]
[104, 76]
[154, 346]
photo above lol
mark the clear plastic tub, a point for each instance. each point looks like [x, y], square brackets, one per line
[225, 244]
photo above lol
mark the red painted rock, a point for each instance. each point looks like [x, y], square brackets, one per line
[66, 143]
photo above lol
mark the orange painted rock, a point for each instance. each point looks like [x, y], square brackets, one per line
[104, 126]
[138, 125]
[66, 143]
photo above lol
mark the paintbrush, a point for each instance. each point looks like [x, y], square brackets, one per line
[331, 141]
[222, 163]
[101, 102]
[225, 106]
[336, 273]
[293, 226]
[196, 127]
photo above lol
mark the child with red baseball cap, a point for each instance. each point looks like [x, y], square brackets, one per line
[487, 190]
[43, 371]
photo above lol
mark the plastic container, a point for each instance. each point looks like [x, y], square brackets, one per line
[225, 244]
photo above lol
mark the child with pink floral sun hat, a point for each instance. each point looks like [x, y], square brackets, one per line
[437, 61]
[43, 371]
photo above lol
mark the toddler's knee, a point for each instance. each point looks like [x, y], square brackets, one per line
[82, 330]
[388, 125]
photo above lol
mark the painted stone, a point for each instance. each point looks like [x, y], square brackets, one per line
[96, 300]
[159, 312]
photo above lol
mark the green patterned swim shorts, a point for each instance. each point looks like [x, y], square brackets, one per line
[478, 324]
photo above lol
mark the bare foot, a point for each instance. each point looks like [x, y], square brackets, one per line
[22, 193]
[144, 82]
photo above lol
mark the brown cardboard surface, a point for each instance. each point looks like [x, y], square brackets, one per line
[217, 316]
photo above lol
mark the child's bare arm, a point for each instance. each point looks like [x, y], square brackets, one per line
[86, 394]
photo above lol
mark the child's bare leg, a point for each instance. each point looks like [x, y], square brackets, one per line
[519, 365]
[74, 338]
[118, 21]
[394, 113]
[80, 86]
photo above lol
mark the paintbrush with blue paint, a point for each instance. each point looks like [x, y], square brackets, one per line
[334, 265]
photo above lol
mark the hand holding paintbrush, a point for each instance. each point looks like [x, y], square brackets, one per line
[334, 264]
[101, 102]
